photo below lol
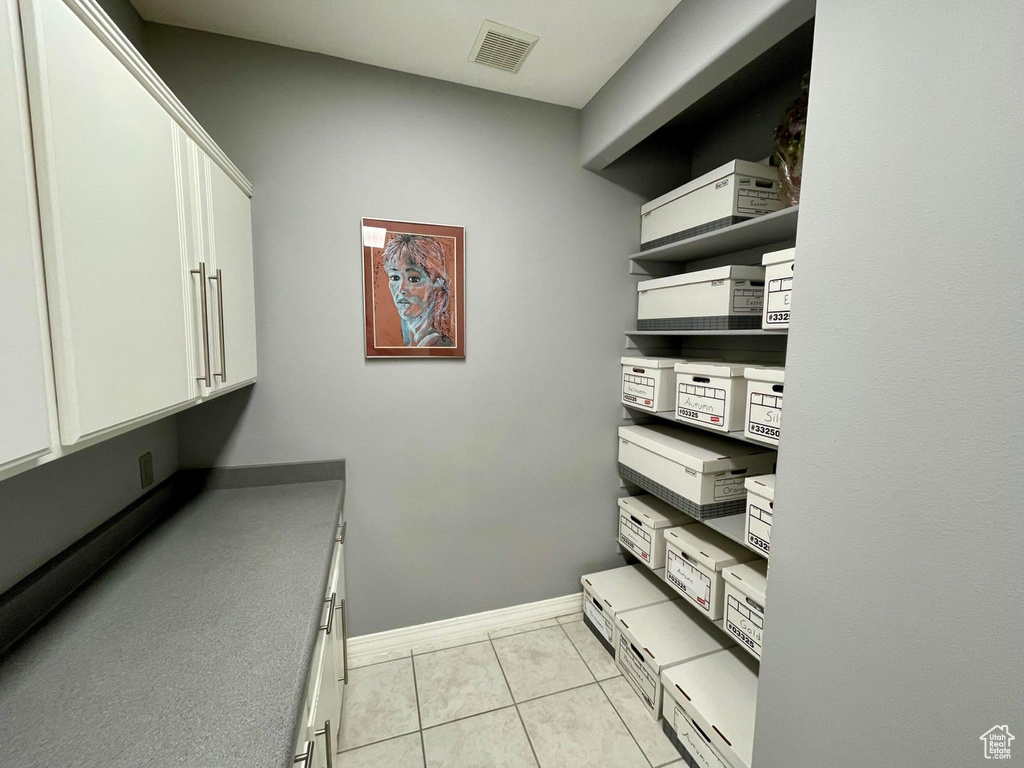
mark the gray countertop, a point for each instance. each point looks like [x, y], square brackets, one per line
[192, 649]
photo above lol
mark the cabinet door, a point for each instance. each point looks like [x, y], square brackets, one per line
[324, 704]
[111, 241]
[24, 344]
[230, 242]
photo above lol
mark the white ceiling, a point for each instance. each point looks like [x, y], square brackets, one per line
[582, 42]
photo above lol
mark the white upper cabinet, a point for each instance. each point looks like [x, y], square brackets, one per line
[25, 427]
[235, 339]
[224, 253]
[112, 245]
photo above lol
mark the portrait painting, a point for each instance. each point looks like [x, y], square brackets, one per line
[413, 289]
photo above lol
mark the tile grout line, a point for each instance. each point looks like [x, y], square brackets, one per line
[515, 704]
[378, 741]
[378, 663]
[625, 724]
[608, 698]
[419, 717]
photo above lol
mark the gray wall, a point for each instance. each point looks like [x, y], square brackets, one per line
[123, 13]
[669, 71]
[896, 607]
[472, 485]
[47, 509]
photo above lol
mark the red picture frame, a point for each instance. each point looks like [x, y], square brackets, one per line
[413, 289]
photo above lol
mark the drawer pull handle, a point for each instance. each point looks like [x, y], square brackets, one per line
[326, 733]
[223, 375]
[206, 378]
[344, 640]
[330, 613]
[306, 758]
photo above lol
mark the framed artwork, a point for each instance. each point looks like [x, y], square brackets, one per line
[414, 289]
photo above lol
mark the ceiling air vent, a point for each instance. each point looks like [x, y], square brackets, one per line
[502, 47]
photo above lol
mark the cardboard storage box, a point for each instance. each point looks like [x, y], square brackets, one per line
[719, 299]
[694, 559]
[764, 403]
[608, 593]
[648, 383]
[745, 587]
[712, 395]
[699, 473]
[719, 694]
[778, 288]
[732, 193]
[641, 522]
[657, 637]
[686, 736]
[760, 507]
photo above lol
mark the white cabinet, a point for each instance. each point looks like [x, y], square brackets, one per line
[235, 340]
[221, 265]
[112, 244]
[329, 670]
[25, 383]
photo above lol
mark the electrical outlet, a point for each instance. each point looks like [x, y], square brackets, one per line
[146, 469]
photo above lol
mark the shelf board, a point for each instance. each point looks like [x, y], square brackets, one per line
[770, 228]
[732, 527]
[670, 417]
[737, 332]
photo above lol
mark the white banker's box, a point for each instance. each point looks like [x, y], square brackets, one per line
[699, 473]
[760, 508]
[681, 729]
[712, 395]
[732, 193]
[745, 587]
[608, 593]
[764, 403]
[719, 694]
[694, 559]
[641, 522]
[778, 287]
[648, 383]
[657, 637]
[719, 299]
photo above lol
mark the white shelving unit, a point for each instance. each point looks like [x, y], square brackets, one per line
[772, 231]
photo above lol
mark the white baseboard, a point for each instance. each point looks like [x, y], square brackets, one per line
[408, 638]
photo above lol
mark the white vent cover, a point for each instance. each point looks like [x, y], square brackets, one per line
[502, 47]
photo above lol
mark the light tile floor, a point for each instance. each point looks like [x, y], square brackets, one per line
[538, 695]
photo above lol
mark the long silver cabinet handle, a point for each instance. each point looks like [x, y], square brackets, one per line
[219, 277]
[344, 641]
[306, 758]
[330, 614]
[326, 731]
[207, 378]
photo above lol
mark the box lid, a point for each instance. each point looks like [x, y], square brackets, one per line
[762, 485]
[702, 452]
[653, 512]
[773, 373]
[720, 694]
[631, 586]
[668, 633]
[651, 362]
[703, 276]
[742, 167]
[778, 257]
[709, 548]
[749, 578]
[704, 368]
